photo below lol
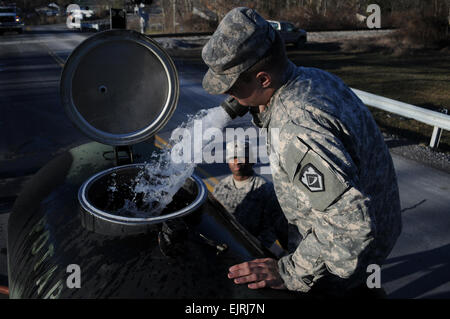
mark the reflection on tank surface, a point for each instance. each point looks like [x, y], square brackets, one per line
[185, 257]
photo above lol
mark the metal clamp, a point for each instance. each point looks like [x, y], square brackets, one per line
[220, 248]
[123, 155]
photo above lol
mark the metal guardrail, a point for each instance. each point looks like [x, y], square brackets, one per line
[438, 120]
[190, 34]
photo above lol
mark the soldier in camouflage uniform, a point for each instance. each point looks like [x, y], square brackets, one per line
[241, 193]
[333, 174]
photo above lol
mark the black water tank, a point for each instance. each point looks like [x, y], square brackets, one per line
[185, 257]
[120, 88]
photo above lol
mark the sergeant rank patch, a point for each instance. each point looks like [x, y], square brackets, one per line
[312, 178]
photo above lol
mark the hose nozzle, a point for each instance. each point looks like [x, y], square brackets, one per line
[233, 108]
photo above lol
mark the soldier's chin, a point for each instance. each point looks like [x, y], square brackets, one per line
[242, 173]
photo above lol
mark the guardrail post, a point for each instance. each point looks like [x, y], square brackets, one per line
[435, 137]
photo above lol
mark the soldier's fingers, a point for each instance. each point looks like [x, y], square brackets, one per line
[248, 264]
[244, 271]
[262, 260]
[237, 267]
[239, 270]
[267, 263]
[250, 278]
[244, 267]
[258, 285]
[238, 273]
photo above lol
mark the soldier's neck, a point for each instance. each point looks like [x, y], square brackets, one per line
[279, 80]
[240, 178]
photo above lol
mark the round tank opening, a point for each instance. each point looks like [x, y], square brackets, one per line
[110, 196]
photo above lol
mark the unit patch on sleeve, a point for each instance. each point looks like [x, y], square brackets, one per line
[319, 181]
[312, 178]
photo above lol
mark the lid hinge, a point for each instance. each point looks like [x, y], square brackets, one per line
[123, 155]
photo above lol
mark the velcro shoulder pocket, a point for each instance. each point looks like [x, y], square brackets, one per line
[293, 155]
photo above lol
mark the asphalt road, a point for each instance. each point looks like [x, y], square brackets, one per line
[34, 129]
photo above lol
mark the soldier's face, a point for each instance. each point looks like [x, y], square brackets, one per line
[240, 167]
[251, 93]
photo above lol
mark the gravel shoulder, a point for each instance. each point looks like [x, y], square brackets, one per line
[418, 152]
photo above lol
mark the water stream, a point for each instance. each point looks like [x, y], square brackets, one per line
[167, 171]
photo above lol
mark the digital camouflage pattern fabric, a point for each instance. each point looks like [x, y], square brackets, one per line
[241, 39]
[255, 207]
[332, 171]
[334, 179]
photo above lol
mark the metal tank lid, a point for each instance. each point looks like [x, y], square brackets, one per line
[119, 87]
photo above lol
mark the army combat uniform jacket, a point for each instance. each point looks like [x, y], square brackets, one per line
[334, 179]
[255, 207]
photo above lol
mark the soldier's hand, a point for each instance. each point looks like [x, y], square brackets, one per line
[258, 273]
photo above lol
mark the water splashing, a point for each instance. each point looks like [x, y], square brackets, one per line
[161, 178]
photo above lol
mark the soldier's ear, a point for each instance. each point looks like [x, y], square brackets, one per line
[264, 79]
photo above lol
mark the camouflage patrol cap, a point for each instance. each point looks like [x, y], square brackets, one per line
[238, 149]
[241, 39]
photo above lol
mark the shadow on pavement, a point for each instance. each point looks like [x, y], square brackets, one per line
[435, 266]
